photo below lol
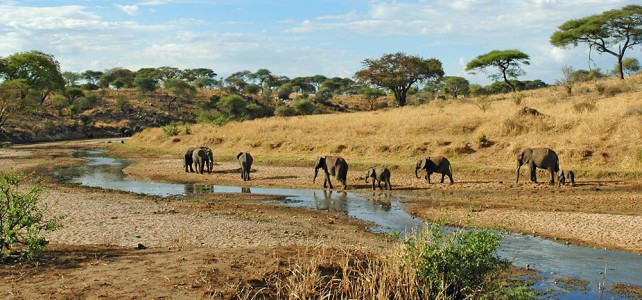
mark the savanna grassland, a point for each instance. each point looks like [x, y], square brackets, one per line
[224, 246]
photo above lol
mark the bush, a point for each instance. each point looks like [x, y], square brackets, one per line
[171, 129]
[22, 216]
[123, 103]
[432, 264]
[303, 106]
[456, 265]
[212, 116]
[484, 142]
[284, 111]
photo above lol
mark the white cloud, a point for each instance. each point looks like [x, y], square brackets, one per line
[128, 9]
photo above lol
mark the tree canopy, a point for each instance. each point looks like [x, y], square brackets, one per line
[40, 71]
[398, 72]
[612, 32]
[507, 62]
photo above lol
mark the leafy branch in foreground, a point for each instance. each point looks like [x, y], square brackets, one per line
[22, 216]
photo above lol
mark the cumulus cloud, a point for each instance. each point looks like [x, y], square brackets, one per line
[128, 9]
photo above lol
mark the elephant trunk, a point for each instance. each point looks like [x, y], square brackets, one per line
[367, 175]
[316, 171]
[519, 165]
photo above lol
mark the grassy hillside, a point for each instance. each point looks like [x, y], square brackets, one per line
[597, 130]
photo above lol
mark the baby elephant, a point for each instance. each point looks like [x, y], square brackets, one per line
[566, 175]
[245, 160]
[379, 175]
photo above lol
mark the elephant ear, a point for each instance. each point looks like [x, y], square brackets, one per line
[422, 163]
[239, 155]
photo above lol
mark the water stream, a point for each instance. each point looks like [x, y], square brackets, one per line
[385, 210]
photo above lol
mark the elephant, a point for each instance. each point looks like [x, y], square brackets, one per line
[435, 164]
[332, 165]
[208, 159]
[200, 157]
[245, 160]
[543, 158]
[187, 159]
[379, 175]
[126, 132]
[566, 175]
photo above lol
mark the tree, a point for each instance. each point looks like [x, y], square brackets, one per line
[71, 78]
[91, 76]
[612, 32]
[146, 79]
[41, 71]
[200, 77]
[179, 89]
[10, 92]
[117, 77]
[507, 63]
[262, 76]
[372, 96]
[456, 86]
[630, 65]
[72, 93]
[398, 72]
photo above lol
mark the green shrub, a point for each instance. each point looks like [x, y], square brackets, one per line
[303, 106]
[484, 141]
[212, 116]
[123, 103]
[284, 111]
[455, 265]
[171, 129]
[22, 216]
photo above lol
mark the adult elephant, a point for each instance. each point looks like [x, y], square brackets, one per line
[188, 160]
[332, 165]
[435, 164]
[379, 175]
[245, 160]
[543, 158]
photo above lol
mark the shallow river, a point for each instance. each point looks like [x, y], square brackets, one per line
[552, 259]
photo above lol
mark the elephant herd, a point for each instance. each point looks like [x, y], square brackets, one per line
[202, 158]
[336, 166]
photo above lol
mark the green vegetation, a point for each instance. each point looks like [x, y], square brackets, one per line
[612, 32]
[507, 63]
[431, 264]
[22, 216]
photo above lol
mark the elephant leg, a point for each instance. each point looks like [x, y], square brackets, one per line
[552, 176]
[442, 178]
[389, 184]
[373, 184]
[379, 184]
[533, 172]
[327, 181]
[450, 176]
[427, 176]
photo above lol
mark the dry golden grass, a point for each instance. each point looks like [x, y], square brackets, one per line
[600, 141]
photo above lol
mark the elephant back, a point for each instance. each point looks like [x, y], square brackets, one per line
[441, 164]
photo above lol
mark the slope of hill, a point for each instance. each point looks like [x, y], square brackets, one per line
[596, 130]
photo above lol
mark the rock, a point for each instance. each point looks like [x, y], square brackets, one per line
[141, 247]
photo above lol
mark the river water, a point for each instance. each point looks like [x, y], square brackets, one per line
[550, 258]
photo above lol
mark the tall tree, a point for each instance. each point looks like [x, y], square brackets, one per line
[71, 78]
[262, 76]
[612, 32]
[41, 71]
[91, 76]
[398, 72]
[506, 62]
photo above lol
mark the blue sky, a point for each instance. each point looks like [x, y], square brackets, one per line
[296, 38]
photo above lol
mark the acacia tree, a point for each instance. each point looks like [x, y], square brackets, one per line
[398, 72]
[630, 65]
[41, 71]
[10, 92]
[611, 32]
[507, 63]
[178, 89]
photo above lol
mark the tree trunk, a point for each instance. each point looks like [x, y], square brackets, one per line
[620, 68]
[508, 82]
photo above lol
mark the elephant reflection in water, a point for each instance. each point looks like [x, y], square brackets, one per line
[381, 201]
[246, 190]
[194, 189]
[324, 200]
